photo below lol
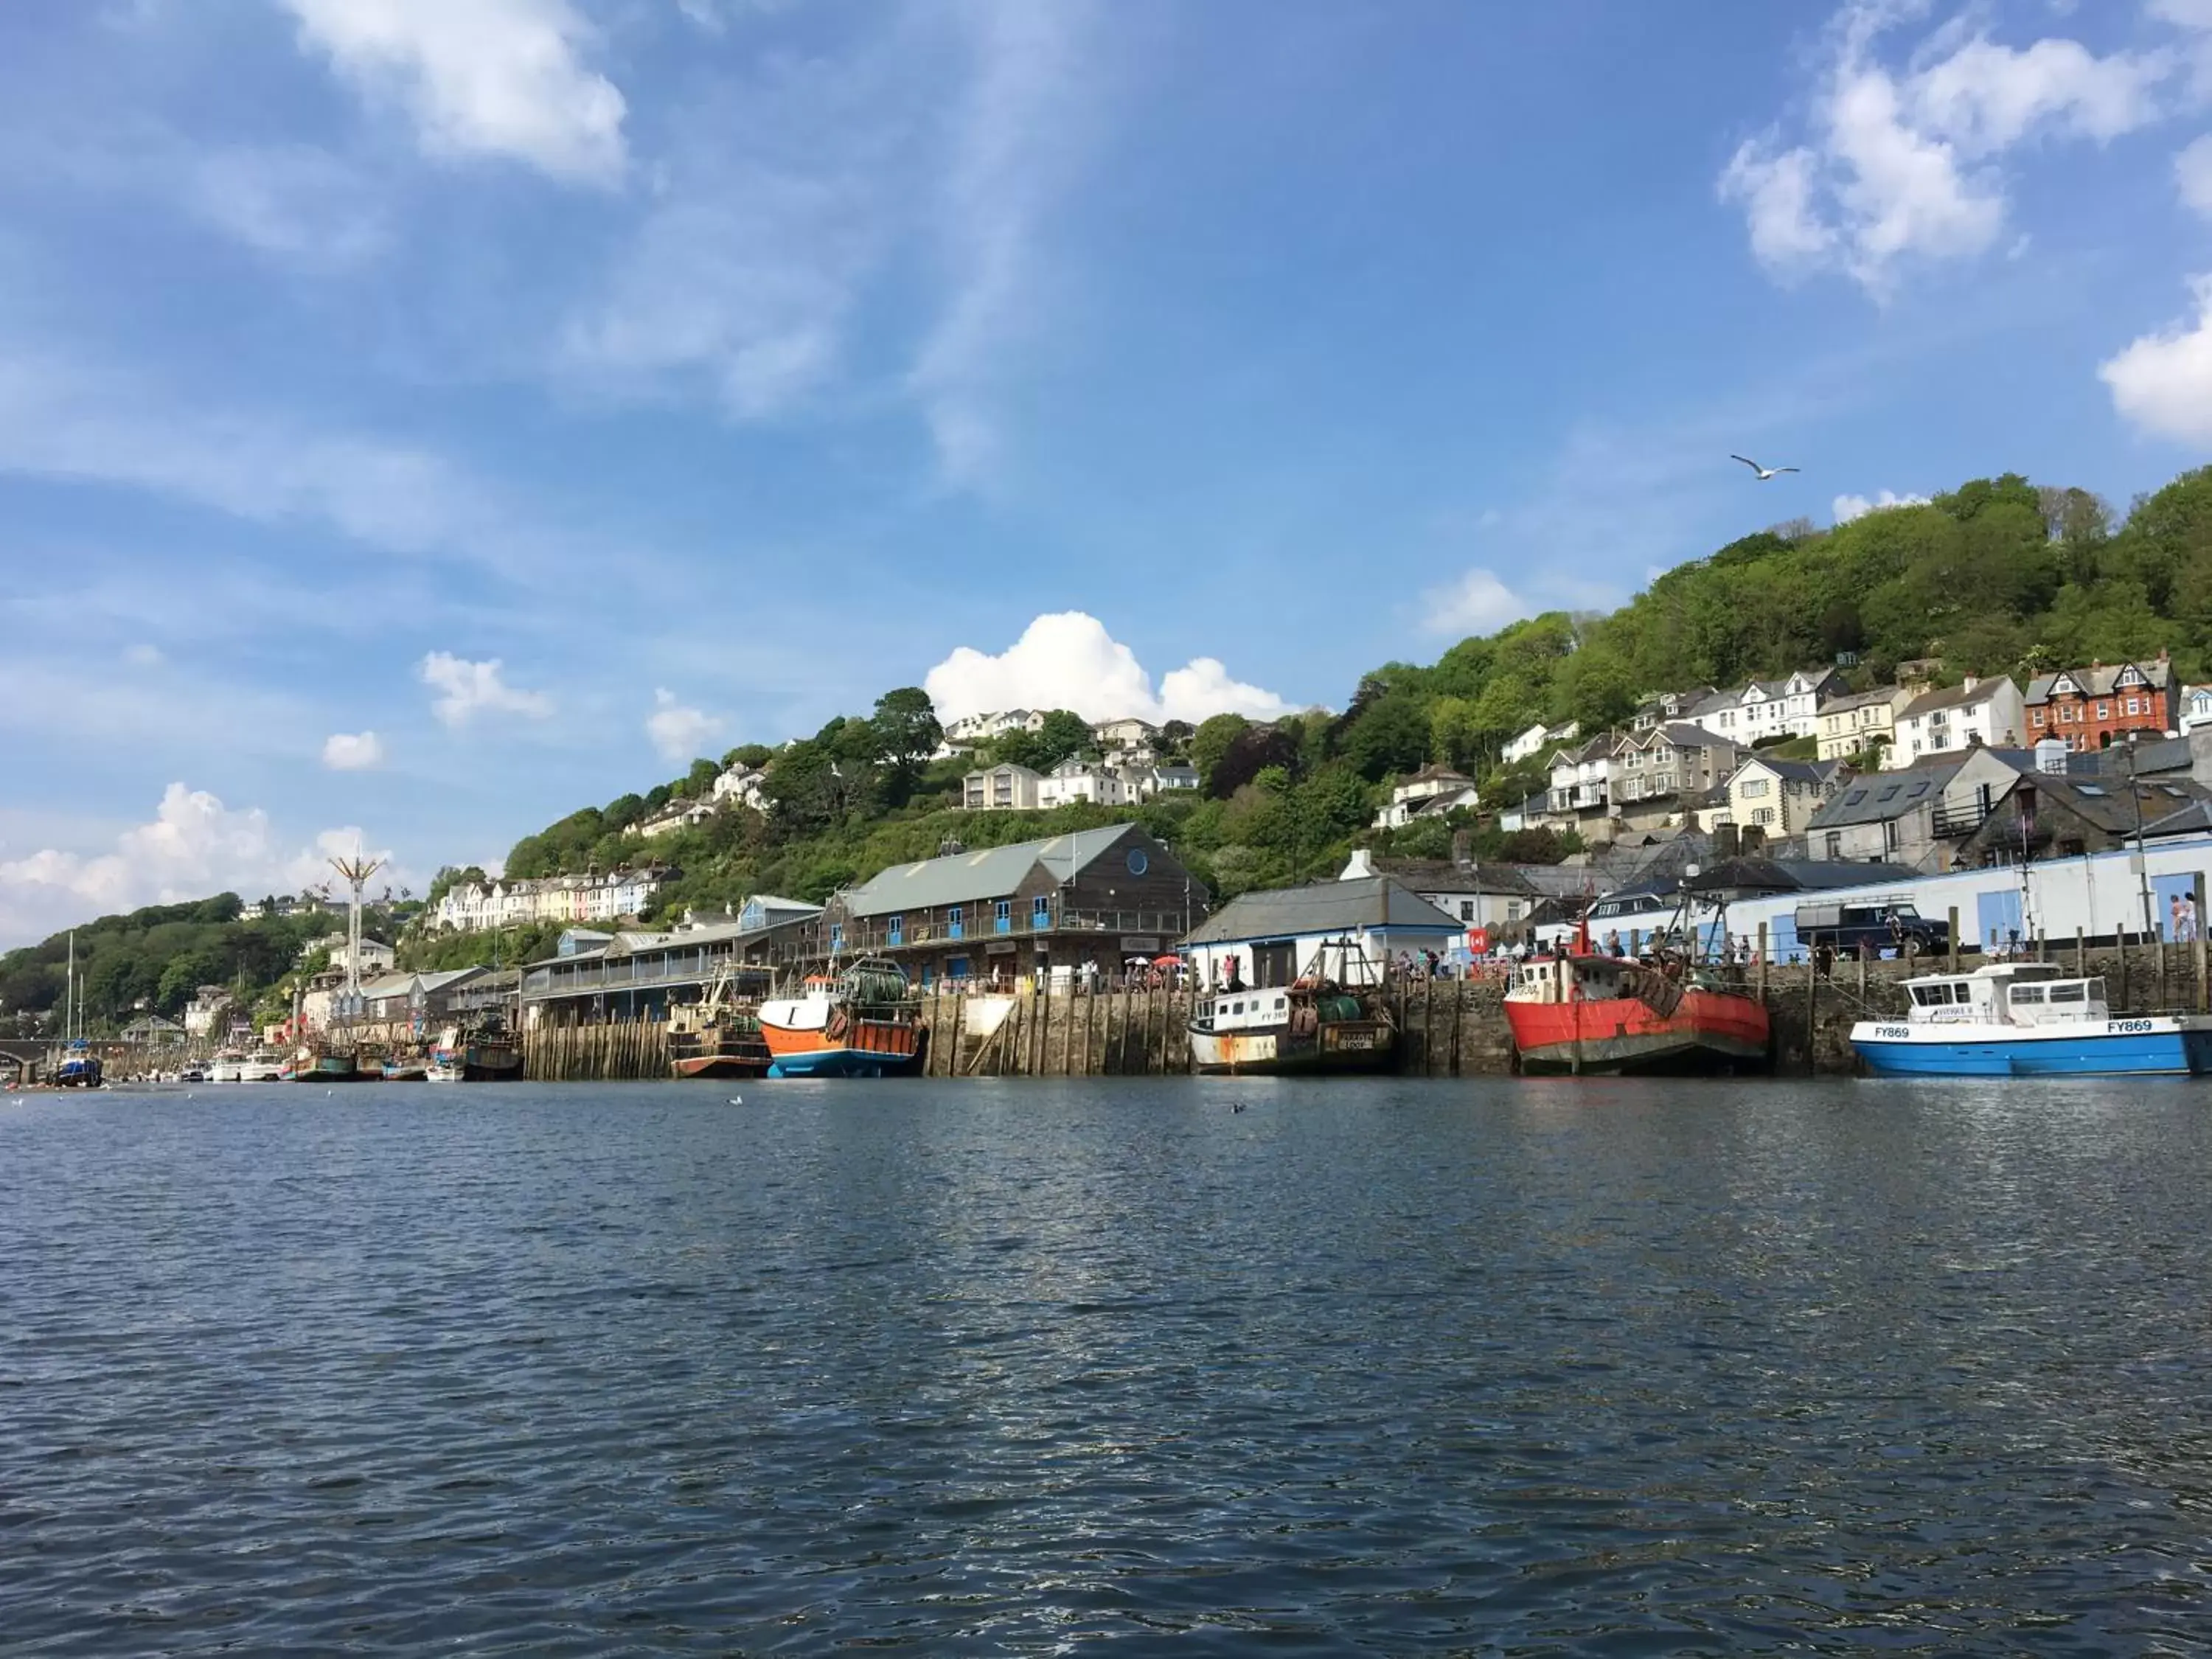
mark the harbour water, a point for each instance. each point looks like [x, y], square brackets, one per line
[1403, 1367]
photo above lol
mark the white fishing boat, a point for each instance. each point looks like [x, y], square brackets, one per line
[2028, 1019]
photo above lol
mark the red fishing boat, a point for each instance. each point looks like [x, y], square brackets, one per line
[1579, 1011]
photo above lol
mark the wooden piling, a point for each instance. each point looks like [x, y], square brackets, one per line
[2196, 951]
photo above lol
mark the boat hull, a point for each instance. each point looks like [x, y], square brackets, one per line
[1343, 1046]
[720, 1065]
[2145, 1046]
[1708, 1031]
[873, 1048]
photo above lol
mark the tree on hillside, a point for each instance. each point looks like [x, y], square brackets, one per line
[907, 733]
[1389, 734]
[1209, 743]
[749, 754]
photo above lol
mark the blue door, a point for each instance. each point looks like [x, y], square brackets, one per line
[1997, 916]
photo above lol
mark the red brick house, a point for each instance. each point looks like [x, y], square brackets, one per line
[2091, 707]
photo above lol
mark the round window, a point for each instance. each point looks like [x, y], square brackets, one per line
[1138, 862]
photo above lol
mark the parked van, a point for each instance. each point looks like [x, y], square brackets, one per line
[1889, 925]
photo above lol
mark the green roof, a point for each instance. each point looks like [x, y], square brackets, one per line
[989, 872]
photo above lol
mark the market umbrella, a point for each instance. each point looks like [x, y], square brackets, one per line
[1167, 962]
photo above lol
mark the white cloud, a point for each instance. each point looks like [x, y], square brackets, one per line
[493, 77]
[2163, 382]
[1901, 164]
[1848, 508]
[357, 751]
[1068, 659]
[1481, 602]
[466, 689]
[1202, 688]
[2193, 176]
[194, 847]
[1477, 603]
[677, 731]
[143, 655]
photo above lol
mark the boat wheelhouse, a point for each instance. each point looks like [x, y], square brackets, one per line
[1330, 1018]
[863, 1021]
[1580, 1013]
[2028, 1019]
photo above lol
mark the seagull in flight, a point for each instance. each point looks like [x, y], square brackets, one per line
[1765, 473]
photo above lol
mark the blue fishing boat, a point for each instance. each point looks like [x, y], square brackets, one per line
[2028, 1019]
[79, 1068]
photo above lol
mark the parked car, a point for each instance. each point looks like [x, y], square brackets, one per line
[1876, 928]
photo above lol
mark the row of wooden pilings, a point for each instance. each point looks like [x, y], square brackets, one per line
[1446, 1028]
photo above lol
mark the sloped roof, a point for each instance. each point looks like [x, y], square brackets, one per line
[989, 872]
[2099, 682]
[1852, 700]
[2107, 804]
[1443, 876]
[2150, 756]
[1792, 770]
[772, 901]
[1326, 907]
[1879, 797]
[1952, 696]
[1759, 875]
[2194, 820]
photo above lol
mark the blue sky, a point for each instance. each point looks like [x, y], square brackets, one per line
[420, 417]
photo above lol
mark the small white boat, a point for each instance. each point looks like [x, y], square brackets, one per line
[228, 1066]
[2028, 1019]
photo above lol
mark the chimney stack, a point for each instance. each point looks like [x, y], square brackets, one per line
[1463, 848]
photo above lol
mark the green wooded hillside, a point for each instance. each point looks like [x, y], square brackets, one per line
[1997, 576]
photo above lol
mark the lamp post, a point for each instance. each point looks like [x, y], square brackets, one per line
[2142, 867]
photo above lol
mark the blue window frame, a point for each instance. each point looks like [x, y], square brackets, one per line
[836, 935]
[952, 923]
[895, 930]
[1041, 912]
[1002, 915]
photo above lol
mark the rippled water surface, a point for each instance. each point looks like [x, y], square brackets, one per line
[1406, 1368]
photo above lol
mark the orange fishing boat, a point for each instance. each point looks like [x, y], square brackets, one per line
[862, 1022]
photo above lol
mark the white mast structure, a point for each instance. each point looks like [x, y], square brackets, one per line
[357, 870]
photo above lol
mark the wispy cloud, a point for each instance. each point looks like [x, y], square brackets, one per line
[466, 689]
[1020, 131]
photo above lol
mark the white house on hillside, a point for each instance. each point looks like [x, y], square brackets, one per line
[1429, 792]
[1787, 708]
[1005, 788]
[741, 785]
[1989, 712]
[1537, 739]
[2196, 707]
[1074, 780]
